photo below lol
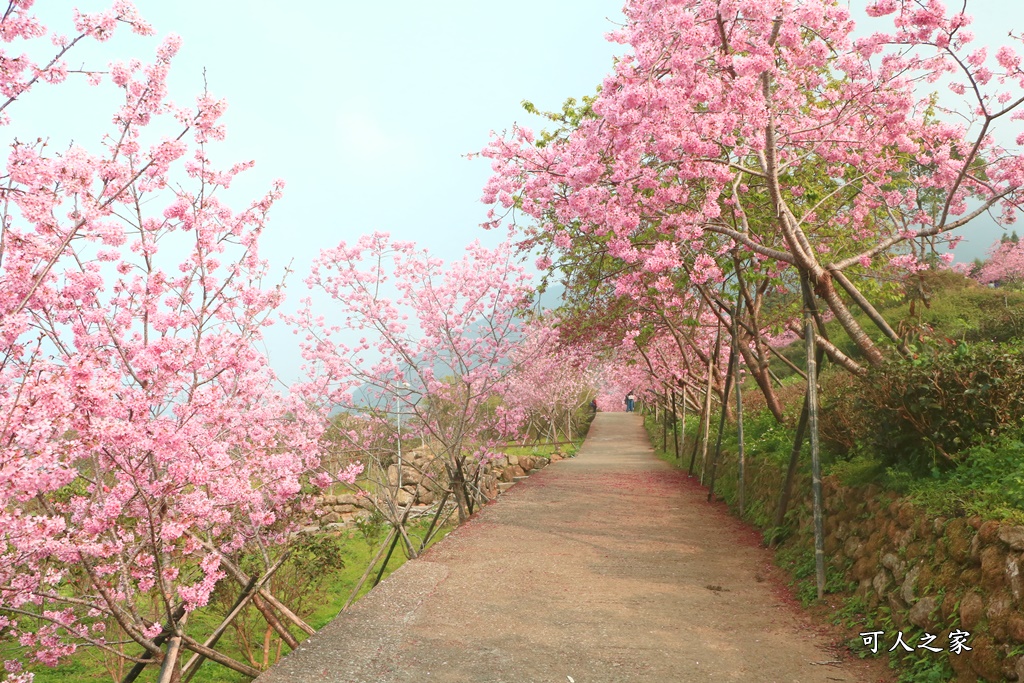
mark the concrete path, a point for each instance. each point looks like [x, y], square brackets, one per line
[606, 568]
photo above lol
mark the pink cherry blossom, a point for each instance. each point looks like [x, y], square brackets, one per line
[765, 135]
[433, 345]
[144, 442]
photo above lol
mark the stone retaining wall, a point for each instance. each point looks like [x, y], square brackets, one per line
[934, 575]
[422, 483]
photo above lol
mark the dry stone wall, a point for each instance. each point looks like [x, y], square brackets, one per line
[423, 481]
[934, 574]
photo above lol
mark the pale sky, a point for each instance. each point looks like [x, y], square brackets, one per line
[366, 109]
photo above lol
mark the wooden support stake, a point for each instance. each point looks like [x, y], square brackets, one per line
[196, 660]
[221, 659]
[712, 362]
[742, 465]
[443, 522]
[244, 597]
[433, 522]
[664, 429]
[812, 424]
[170, 660]
[243, 579]
[794, 458]
[721, 423]
[136, 670]
[369, 568]
[675, 425]
[287, 613]
[274, 622]
[384, 564]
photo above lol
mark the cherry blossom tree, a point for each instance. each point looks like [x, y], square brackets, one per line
[413, 336]
[1005, 264]
[142, 444]
[550, 384]
[756, 145]
[762, 132]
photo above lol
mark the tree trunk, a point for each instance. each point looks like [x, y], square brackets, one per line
[135, 671]
[458, 486]
[805, 259]
[697, 440]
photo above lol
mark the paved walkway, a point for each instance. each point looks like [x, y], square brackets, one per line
[605, 568]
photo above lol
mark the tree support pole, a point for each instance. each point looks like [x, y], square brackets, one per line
[136, 670]
[369, 568]
[794, 459]
[387, 558]
[742, 464]
[675, 424]
[274, 622]
[243, 598]
[712, 362]
[721, 422]
[170, 660]
[664, 427]
[433, 522]
[243, 579]
[812, 424]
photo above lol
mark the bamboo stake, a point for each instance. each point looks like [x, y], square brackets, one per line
[167, 670]
[433, 522]
[444, 521]
[707, 403]
[384, 564]
[242, 579]
[812, 424]
[274, 622]
[868, 309]
[683, 442]
[196, 661]
[136, 670]
[697, 440]
[369, 568]
[794, 457]
[396, 529]
[742, 467]
[250, 593]
[664, 429]
[721, 422]
[288, 614]
[221, 659]
[675, 424]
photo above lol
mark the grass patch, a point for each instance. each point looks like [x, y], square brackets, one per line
[343, 566]
[566, 450]
[989, 482]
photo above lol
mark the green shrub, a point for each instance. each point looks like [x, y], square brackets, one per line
[924, 414]
[990, 482]
[946, 306]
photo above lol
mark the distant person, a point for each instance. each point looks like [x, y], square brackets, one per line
[593, 405]
[630, 402]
